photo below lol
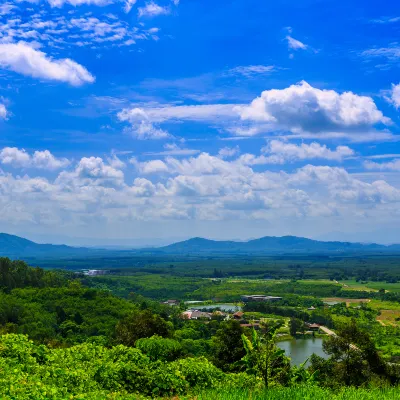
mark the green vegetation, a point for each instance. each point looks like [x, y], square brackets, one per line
[65, 335]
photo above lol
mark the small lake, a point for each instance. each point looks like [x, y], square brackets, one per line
[301, 349]
[331, 303]
[223, 307]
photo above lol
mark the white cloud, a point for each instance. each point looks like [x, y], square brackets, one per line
[141, 124]
[205, 188]
[303, 108]
[387, 166]
[395, 95]
[150, 167]
[40, 159]
[385, 20]
[200, 113]
[14, 156]
[295, 44]
[115, 162]
[252, 70]
[128, 5]
[92, 171]
[75, 3]
[152, 9]
[228, 152]
[25, 60]
[391, 53]
[382, 156]
[6, 8]
[289, 152]
[60, 3]
[46, 160]
[3, 111]
[172, 149]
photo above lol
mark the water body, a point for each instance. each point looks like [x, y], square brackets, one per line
[301, 349]
[223, 307]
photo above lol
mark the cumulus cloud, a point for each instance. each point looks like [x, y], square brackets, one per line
[152, 9]
[40, 159]
[227, 152]
[299, 110]
[92, 171]
[203, 188]
[150, 167]
[142, 126]
[25, 60]
[14, 156]
[282, 152]
[395, 95]
[143, 120]
[303, 108]
[393, 165]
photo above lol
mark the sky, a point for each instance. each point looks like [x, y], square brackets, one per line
[144, 122]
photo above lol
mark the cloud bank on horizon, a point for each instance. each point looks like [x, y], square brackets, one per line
[167, 118]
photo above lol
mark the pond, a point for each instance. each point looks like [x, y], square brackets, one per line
[301, 349]
[223, 307]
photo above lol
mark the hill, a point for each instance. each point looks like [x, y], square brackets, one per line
[273, 245]
[16, 247]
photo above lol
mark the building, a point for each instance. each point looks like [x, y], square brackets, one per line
[171, 302]
[259, 297]
[313, 327]
[200, 315]
[196, 314]
[238, 315]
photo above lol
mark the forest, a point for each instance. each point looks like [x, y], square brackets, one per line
[64, 334]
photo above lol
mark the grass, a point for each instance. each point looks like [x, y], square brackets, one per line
[384, 305]
[300, 393]
[357, 286]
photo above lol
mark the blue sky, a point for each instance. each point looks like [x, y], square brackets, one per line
[126, 121]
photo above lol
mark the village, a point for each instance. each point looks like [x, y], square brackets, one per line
[207, 312]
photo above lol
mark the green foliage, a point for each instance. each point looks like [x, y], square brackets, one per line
[304, 392]
[265, 360]
[16, 274]
[228, 346]
[29, 371]
[141, 324]
[62, 315]
[158, 348]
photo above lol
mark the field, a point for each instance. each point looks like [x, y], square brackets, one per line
[302, 393]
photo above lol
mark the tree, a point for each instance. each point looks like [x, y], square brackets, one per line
[158, 348]
[228, 345]
[264, 359]
[295, 325]
[355, 356]
[141, 324]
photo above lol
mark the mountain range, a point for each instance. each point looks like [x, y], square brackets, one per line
[17, 247]
[274, 245]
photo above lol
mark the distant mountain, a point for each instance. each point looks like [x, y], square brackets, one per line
[17, 247]
[273, 245]
[20, 248]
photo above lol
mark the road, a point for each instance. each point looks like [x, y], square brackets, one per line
[331, 333]
[327, 331]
